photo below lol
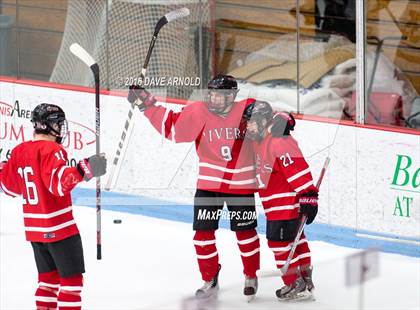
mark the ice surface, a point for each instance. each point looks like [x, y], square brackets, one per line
[150, 263]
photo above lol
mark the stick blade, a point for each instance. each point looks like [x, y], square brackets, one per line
[81, 53]
[176, 14]
[269, 273]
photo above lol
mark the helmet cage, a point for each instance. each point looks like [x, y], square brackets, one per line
[261, 113]
[59, 132]
[262, 124]
[229, 98]
[225, 85]
[64, 129]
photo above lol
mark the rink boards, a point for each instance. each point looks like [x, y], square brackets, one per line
[371, 191]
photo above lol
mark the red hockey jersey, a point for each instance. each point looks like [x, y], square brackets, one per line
[226, 160]
[282, 174]
[37, 171]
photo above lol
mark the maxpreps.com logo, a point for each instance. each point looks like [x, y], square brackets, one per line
[15, 127]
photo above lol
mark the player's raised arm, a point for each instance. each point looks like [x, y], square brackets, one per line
[184, 126]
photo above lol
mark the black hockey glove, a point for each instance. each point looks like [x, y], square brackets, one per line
[94, 166]
[309, 206]
[136, 93]
[282, 124]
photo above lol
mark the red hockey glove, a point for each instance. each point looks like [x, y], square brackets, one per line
[94, 166]
[309, 206]
[137, 92]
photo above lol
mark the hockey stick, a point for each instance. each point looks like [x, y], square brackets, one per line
[302, 223]
[84, 56]
[169, 17]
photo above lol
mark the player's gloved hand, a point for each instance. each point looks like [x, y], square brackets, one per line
[282, 124]
[309, 206]
[94, 166]
[136, 92]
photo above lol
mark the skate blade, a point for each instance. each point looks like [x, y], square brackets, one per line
[302, 296]
[311, 295]
[250, 298]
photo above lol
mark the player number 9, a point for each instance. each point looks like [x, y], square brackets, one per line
[226, 153]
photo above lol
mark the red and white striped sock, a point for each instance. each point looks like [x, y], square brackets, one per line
[249, 246]
[281, 251]
[304, 254]
[207, 256]
[46, 294]
[69, 297]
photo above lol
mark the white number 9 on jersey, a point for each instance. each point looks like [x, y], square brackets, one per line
[226, 153]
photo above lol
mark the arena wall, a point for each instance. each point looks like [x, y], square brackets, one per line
[372, 185]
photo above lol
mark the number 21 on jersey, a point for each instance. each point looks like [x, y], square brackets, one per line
[286, 160]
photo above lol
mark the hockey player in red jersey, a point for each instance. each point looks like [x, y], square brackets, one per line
[37, 172]
[286, 190]
[226, 173]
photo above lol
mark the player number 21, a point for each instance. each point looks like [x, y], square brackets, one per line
[286, 159]
[31, 193]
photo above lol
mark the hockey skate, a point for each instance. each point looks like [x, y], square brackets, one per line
[294, 292]
[307, 277]
[209, 288]
[250, 288]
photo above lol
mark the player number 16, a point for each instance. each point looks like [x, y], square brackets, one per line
[31, 193]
